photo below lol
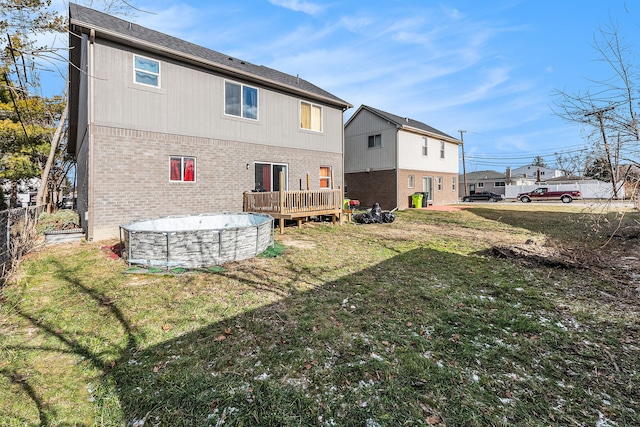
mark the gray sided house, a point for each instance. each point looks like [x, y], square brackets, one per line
[388, 158]
[479, 181]
[160, 126]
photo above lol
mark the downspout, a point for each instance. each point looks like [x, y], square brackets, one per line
[90, 151]
[343, 195]
[398, 166]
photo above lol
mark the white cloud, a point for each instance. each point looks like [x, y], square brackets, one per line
[298, 6]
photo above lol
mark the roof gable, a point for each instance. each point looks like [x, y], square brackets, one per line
[110, 27]
[486, 174]
[406, 123]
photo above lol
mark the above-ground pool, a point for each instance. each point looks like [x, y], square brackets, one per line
[196, 241]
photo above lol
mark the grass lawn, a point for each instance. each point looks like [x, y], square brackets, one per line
[410, 323]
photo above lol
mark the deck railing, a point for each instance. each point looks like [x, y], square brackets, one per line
[295, 203]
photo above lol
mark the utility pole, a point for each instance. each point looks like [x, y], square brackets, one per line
[464, 167]
[614, 176]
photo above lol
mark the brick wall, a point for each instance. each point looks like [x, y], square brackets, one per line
[131, 175]
[380, 186]
[439, 197]
[373, 187]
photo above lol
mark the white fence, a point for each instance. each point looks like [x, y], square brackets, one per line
[590, 190]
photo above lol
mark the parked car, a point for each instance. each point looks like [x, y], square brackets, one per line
[66, 203]
[484, 196]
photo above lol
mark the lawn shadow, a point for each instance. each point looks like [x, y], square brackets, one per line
[585, 228]
[359, 350]
[401, 341]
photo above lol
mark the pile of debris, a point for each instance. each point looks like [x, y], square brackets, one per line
[375, 216]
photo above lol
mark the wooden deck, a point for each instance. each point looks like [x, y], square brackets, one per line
[295, 205]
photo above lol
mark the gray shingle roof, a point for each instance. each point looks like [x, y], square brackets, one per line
[407, 122]
[107, 25]
[486, 174]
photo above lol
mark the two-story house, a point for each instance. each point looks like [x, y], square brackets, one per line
[538, 173]
[388, 158]
[160, 126]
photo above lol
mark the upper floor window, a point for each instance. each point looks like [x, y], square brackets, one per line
[425, 146]
[182, 169]
[146, 71]
[310, 116]
[375, 141]
[240, 100]
[325, 177]
[442, 149]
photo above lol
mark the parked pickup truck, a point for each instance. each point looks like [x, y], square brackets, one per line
[543, 193]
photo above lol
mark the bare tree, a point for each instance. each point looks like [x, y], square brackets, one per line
[607, 110]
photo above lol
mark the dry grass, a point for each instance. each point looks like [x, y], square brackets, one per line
[413, 323]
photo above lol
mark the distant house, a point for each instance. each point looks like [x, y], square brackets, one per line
[388, 158]
[160, 126]
[478, 181]
[537, 173]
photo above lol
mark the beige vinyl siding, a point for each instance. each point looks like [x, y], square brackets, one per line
[358, 156]
[190, 102]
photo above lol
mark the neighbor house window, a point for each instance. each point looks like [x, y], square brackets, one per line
[442, 149]
[498, 184]
[146, 71]
[439, 183]
[412, 181]
[481, 185]
[182, 169]
[310, 116]
[325, 177]
[267, 176]
[375, 141]
[240, 100]
[453, 183]
[425, 146]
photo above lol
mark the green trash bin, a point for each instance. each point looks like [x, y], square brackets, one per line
[417, 200]
[345, 204]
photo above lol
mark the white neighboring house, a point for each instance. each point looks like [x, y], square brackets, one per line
[388, 158]
[538, 173]
[25, 188]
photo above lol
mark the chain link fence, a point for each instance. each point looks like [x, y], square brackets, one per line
[18, 234]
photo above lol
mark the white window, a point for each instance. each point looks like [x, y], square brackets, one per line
[182, 169]
[146, 71]
[442, 149]
[481, 185]
[453, 183]
[425, 146]
[240, 100]
[411, 181]
[310, 116]
[439, 183]
[375, 141]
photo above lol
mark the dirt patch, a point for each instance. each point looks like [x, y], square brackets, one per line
[295, 242]
[617, 261]
[447, 208]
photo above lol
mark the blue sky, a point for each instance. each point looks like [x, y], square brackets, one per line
[488, 67]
